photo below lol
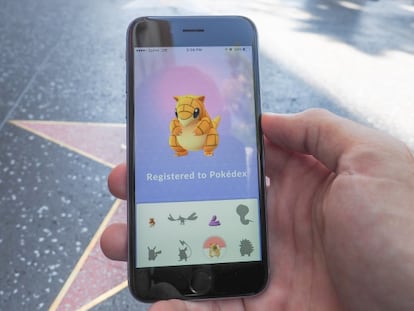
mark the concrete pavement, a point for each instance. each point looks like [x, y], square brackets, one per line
[62, 71]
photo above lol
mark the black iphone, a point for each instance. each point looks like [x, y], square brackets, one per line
[196, 213]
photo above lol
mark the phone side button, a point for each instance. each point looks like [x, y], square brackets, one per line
[201, 282]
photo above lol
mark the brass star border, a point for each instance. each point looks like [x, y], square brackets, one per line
[94, 278]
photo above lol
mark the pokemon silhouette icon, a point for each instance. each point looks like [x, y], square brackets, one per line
[184, 253]
[153, 253]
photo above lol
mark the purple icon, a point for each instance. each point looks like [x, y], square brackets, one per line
[214, 222]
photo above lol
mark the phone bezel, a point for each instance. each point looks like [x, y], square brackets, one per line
[229, 279]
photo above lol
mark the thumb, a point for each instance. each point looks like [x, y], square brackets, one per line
[317, 132]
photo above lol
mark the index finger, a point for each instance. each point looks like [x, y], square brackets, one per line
[317, 132]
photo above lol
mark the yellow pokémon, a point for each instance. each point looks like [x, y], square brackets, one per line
[192, 129]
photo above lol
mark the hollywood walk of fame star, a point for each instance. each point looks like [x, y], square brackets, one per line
[94, 278]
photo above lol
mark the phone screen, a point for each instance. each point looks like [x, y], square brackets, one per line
[196, 156]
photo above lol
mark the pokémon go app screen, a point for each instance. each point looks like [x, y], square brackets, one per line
[196, 168]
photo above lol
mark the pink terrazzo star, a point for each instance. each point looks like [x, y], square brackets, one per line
[94, 277]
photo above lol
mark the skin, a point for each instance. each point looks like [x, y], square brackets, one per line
[340, 209]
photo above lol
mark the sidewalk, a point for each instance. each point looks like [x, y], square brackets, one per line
[62, 114]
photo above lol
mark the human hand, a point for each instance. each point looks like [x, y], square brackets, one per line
[340, 219]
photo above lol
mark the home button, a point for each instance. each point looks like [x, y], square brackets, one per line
[201, 282]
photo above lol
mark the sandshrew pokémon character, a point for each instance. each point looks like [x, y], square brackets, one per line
[192, 129]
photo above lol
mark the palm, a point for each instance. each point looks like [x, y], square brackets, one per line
[299, 276]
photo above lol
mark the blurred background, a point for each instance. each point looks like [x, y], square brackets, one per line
[62, 114]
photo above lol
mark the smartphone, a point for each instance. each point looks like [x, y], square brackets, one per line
[196, 187]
